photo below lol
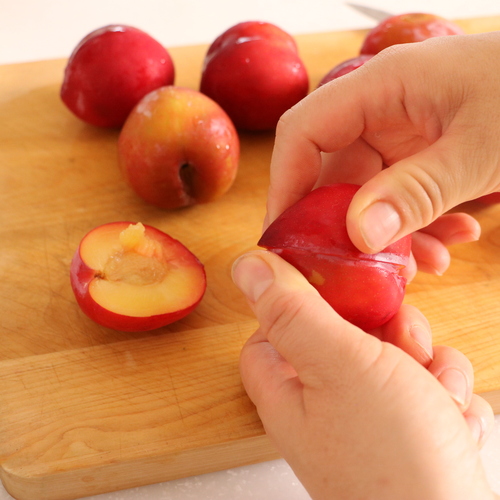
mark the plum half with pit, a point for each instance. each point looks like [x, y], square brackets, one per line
[134, 277]
[365, 289]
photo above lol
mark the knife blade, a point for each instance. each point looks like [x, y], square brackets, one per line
[371, 12]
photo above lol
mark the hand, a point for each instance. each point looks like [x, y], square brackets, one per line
[356, 416]
[417, 126]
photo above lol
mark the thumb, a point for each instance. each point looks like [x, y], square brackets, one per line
[304, 330]
[412, 193]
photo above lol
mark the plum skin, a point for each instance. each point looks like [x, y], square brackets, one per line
[365, 289]
[110, 70]
[253, 70]
[367, 294]
[407, 28]
[344, 68]
[178, 148]
[81, 276]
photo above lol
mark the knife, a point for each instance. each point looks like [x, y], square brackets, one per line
[372, 13]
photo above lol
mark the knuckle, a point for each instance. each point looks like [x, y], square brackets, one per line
[421, 186]
[283, 313]
[396, 56]
[285, 121]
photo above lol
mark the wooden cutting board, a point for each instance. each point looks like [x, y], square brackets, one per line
[85, 410]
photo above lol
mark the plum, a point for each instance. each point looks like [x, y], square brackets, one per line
[345, 67]
[133, 277]
[253, 70]
[407, 28]
[178, 147]
[365, 289]
[110, 70]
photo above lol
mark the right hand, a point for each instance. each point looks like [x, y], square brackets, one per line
[418, 126]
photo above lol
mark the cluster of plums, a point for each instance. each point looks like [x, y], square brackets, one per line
[180, 146]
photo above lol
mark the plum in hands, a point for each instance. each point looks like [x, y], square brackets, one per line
[365, 289]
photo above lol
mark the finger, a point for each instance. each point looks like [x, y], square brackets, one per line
[269, 380]
[429, 244]
[430, 254]
[454, 371]
[410, 331]
[480, 419]
[454, 228]
[407, 196]
[354, 164]
[410, 270]
[327, 120]
[458, 164]
[288, 308]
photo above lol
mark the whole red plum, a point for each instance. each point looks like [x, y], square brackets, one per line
[178, 148]
[407, 28]
[254, 72]
[110, 71]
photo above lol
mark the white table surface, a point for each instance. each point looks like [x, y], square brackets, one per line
[44, 29]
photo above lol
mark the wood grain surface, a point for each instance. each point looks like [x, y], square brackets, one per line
[86, 410]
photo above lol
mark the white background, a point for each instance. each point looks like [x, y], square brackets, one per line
[44, 29]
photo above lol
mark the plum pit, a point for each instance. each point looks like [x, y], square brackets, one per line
[138, 262]
[134, 269]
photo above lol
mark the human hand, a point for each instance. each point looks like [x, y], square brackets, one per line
[356, 416]
[417, 126]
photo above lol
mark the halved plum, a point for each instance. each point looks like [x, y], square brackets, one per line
[134, 277]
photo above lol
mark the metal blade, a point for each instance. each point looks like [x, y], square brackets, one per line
[376, 14]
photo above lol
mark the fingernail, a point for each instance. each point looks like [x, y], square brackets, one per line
[379, 224]
[455, 382]
[422, 338]
[252, 275]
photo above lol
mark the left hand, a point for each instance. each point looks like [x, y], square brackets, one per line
[354, 415]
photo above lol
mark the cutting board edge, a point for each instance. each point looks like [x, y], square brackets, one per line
[105, 478]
